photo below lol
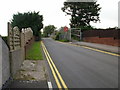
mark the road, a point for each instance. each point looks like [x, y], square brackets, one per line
[81, 67]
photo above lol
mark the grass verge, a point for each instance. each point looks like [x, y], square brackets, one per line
[35, 52]
[63, 40]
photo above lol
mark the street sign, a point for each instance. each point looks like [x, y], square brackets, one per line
[65, 29]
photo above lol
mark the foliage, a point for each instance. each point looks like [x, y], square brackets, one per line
[29, 19]
[48, 30]
[38, 36]
[83, 28]
[82, 13]
[64, 40]
[55, 34]
[35, 52]
[110, 28]
[58, 36]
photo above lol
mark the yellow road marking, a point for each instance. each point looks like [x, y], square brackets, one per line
[101, 51]
[53, 72]
[63, 83]
[114, 54]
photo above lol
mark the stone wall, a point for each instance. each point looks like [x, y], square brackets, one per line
[16, 59]
[4, 63]
[0, 62]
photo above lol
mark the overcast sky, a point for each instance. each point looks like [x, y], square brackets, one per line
[52, 13]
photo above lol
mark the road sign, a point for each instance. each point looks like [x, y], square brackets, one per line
[65, 29]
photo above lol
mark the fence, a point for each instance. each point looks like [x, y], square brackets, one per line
[14, 38]
[27, 35]
[13, 54]
[17, 41]
[76, 33]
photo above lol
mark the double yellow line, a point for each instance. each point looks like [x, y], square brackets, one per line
[54, 70]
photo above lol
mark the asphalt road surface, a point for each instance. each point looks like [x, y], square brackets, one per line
[83, 68]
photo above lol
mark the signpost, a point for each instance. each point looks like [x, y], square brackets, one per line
[65, 29]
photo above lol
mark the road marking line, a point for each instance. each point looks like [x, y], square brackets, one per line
[53, 72]
[101, 51]
[60, 77]
[63, 83]
[114, 54]
[50, 86]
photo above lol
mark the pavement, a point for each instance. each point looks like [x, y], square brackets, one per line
[109, 48]
[83, 68]
[32, 75]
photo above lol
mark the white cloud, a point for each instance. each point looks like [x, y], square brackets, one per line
[109, 14]
[52, 13]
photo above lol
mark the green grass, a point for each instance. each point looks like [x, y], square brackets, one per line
[35, 52]
[63, 40]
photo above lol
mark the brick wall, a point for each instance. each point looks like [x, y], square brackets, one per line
[108, 37]
[103, 40]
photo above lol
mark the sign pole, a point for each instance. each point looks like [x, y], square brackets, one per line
[70, 34]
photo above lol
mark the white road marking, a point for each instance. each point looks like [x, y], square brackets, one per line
[50, 86]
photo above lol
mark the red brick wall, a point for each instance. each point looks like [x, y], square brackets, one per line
[103, 40]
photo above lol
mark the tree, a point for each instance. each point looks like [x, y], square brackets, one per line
[48, 30]
[29, 19]
[82, 13]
